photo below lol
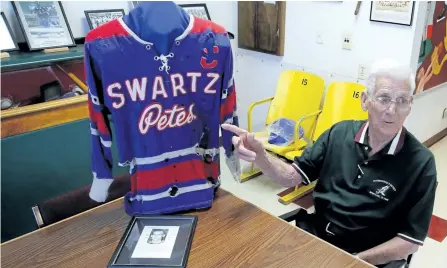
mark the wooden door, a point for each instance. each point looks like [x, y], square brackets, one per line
[261, 26]
[246, 24]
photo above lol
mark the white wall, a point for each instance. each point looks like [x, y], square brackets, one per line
[371, 40]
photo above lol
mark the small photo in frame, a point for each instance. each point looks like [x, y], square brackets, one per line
[99, 17]
[198, 10]
[8, 42]
[394, 12]
[44, 24]
[155, 241]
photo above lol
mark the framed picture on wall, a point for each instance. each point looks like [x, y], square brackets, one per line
[99, 17]
[8, 42]
[198, 10]
[395, 12]
[44, 24]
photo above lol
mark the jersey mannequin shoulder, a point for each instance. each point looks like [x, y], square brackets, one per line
[158, 22]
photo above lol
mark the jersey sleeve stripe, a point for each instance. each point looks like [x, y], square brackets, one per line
[228, 107]
[93, 131]
[97, 120]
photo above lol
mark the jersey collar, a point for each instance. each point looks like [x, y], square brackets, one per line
[392, 148]
[144, 42]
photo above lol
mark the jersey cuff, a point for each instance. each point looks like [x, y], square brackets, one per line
[306, 180]
[100, 189]
[410, 239]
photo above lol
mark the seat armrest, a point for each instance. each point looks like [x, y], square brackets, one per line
[250, 108]
[298, 125]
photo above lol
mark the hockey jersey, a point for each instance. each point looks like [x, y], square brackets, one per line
[166, 111]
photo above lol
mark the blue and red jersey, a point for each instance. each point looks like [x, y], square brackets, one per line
[166, 111]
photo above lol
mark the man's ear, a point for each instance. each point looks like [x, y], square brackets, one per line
[364, 101]
[411, 105]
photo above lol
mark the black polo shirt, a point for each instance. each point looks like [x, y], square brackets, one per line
[388, 194]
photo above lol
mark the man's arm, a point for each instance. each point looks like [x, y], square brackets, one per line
[394, 249]
[250, 149]
[282, 173]
[309, 164]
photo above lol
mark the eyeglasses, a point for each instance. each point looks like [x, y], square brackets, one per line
[402, 104]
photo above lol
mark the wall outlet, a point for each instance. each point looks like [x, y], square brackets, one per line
[444, 113]
[347, 41]
[362, 72]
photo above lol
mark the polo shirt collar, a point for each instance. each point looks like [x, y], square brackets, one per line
[391, 149]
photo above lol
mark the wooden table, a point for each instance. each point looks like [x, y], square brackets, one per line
[233, 233]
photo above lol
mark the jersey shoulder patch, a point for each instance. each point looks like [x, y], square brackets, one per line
[200, 25]
[107, 30]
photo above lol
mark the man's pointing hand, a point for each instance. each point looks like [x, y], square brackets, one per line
[247, 147]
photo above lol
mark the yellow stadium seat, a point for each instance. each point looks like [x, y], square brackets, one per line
[342, 102]
[297, 94]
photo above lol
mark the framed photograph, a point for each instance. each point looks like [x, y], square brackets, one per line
[201, 11]
[44, 24]
[395, 12]
[8, 42]
[155, 241]
[198, 10]
[99, 17]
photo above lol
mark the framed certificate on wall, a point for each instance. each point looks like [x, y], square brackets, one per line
[198, 10]
[44, 24]
[96, 18]
[395, 12]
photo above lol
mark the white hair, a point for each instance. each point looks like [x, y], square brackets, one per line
[391, 69]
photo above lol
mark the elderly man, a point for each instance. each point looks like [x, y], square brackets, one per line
[376, 188]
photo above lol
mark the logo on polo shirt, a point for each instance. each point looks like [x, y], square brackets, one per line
[382, 189]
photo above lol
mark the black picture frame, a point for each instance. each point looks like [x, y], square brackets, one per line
[189, 7]
[15, 5]
[208, 17]
[88, 12]
[389, 21]
[126, 248]
[11, 34]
